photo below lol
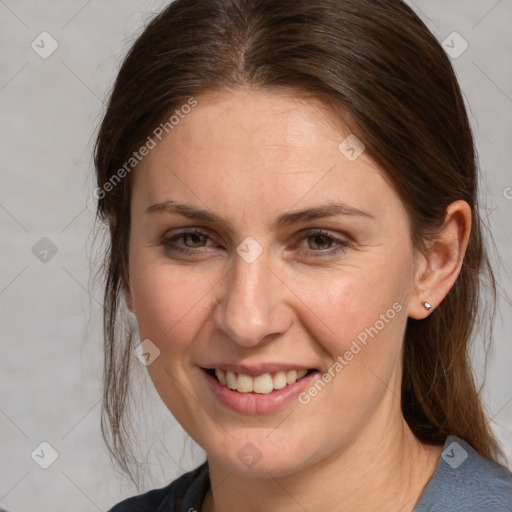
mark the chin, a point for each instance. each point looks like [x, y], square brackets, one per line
[260, 458]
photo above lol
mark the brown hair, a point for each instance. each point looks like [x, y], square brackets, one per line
[377, 62]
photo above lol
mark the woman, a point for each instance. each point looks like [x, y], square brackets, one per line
[291, 193]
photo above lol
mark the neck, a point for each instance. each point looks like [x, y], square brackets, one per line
[383, 467]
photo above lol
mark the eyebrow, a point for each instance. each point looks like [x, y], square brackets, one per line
[287, 219]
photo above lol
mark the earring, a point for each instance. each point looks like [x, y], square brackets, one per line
[427, 305]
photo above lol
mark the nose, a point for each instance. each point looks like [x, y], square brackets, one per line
[252, 308]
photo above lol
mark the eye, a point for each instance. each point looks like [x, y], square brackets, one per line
[196, 239]
[192, 241]
[321, 243]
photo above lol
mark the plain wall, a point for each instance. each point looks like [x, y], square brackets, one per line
[50, 364]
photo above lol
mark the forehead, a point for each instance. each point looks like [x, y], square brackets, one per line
[248, 122]
[247, 150]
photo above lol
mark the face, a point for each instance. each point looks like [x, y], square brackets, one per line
[259, 248]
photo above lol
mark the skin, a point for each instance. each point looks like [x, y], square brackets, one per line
[249, 156]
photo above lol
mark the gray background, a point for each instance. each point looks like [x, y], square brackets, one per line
[50, 364]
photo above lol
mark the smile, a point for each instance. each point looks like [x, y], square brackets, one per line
[261, 389]
[262, 384]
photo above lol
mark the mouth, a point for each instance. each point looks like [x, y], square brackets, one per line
[263, 384]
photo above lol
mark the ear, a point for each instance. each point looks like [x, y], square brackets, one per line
[438, 270]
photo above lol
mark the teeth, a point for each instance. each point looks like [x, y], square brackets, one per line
[221, 376]
[291, 377]
[231, 380]
[279, 380]
[262, 384]
[244, 383]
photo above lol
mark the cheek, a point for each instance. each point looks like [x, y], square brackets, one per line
[171, 306]
[358, 313]
[359, 322]
[170, 303]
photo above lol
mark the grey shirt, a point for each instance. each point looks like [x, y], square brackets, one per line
[464, 481]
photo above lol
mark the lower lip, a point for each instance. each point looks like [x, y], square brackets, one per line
[256, 403]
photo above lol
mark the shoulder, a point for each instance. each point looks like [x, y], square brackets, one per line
[464, 480]
[185, 493]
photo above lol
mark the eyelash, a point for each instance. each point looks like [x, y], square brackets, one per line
[342, 244]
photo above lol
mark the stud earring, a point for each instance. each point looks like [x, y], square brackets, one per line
[427, 305]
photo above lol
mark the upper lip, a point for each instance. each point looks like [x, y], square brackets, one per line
[255, 369]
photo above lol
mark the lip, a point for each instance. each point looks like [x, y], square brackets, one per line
[255, 403]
